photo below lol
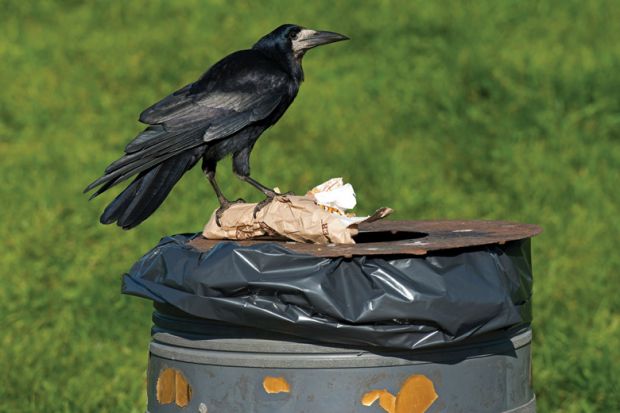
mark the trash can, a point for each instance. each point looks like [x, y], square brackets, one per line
[415, 317]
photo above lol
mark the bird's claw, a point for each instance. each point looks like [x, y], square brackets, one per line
[270, 197]
[262, 204]
[223, 207]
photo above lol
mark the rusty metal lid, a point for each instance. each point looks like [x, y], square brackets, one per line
[404, 237]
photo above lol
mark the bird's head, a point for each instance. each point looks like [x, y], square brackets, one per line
[295, 41]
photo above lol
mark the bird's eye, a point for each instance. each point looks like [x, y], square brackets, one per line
[293, 35]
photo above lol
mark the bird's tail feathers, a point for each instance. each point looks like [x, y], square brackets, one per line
[146, 193]
[153, 146]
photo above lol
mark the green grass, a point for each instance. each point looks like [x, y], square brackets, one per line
[495, 110]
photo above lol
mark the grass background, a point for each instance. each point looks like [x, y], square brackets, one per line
[492, 109]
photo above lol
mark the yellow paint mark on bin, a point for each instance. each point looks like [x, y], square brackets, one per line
[172, 387]
[165, 386]
[386, 399]
[416, 395]
[276, 385]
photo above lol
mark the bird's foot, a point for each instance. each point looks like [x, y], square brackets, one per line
[224, 205]
[262, 204]
[270, 196]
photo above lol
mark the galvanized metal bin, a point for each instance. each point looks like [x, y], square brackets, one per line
[244, 370]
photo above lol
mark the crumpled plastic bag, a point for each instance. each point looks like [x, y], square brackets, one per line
[400, 302]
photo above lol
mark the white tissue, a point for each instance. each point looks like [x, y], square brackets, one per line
[335, 194]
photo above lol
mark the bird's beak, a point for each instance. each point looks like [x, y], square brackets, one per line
[307, 39]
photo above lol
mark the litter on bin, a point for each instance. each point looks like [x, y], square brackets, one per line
[321, 216]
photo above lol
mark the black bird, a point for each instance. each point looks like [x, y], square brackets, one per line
[224, 112]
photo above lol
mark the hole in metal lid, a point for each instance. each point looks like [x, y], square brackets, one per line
[386, 236]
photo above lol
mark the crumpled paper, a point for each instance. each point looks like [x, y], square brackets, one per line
[334, 194]
[318, 217]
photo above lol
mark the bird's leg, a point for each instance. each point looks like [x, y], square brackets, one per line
[269, 193]
[241, 168]
[208, 168]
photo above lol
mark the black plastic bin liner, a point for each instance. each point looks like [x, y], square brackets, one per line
[400, 302]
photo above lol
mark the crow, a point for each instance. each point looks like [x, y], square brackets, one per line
[224, 112]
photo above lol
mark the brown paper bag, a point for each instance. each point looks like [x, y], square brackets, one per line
[298, 218]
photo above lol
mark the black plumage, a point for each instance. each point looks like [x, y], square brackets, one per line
[224, 112]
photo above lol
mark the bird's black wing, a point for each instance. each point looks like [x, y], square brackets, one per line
[244, 87]
[241, 89]
[223, 112]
